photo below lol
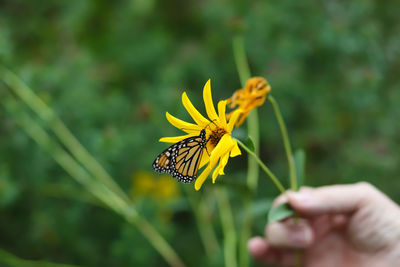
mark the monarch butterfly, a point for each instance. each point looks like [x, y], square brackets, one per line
[182, 159]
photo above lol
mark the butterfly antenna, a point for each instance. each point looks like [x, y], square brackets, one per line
[208, 125]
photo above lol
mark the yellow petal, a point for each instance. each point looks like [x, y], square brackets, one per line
[221, 113]
[215, 174]
[204, 159]
[242, 118]
[175, 139]
[222, 163]
[219, 170]
[183, 125]
[212, 114]
[233, 119]
[235, 150]
[224, 145]
[209, 147]
[200, 180]
[197, 117]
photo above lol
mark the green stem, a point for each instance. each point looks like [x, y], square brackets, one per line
[9, 259]
[264, 167]
[101, 191]
[239, 54]
[69, 164]
[244, 256]
[286, 143]
[290, 158]
[60, 130]
[253, 131]
[227, 227]
[206, 231]
[154, 237]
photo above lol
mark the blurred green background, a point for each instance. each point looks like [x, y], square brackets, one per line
[111, 69]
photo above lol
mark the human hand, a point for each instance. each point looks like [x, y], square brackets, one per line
[339, 225]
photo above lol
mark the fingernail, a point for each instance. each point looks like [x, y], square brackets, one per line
[300, 237]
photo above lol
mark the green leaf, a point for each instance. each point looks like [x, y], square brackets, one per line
[250, 143]
[280, 212]
[240, 134]
[300, 166]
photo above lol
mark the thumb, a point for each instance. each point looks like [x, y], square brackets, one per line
[334, 199]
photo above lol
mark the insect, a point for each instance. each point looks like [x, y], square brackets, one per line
[182, 159]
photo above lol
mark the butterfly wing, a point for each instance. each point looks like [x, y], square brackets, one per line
[182, 159]
[187, 159]
[164, 162]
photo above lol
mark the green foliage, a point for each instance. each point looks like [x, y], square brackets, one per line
[280, 212]
[110, 70]
[300, 166]
[250, 143]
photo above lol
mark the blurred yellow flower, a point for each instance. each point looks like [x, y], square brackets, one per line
[250, 97]
[142, 183]
[161, 189]
[220, 145]
[167, 188]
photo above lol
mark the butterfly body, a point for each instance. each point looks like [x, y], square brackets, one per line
[182, 160]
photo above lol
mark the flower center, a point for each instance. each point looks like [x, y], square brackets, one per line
[216, 135]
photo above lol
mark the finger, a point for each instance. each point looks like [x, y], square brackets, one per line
[321, 225]
[325, 224]
[339, 221]
[282, 198]
[258, 247]
[290, 234]
[263, 252]
[284, 257]
[330, 199]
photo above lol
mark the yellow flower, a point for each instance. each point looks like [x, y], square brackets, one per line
[161, 189]
[142, 183]
[166, 189]
[250, 97]
[220, 145]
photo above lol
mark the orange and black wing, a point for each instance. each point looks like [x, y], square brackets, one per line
[163, 163]
[187, 160]
[182, 159]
